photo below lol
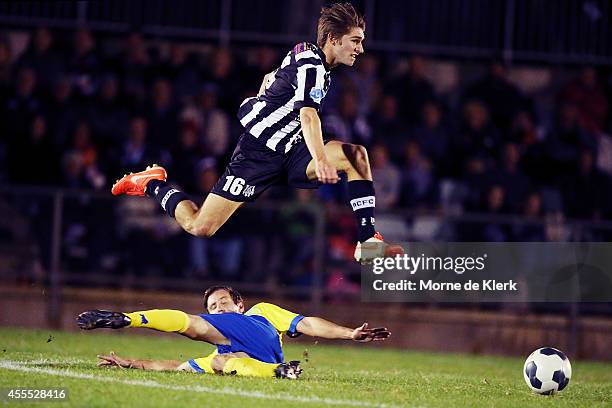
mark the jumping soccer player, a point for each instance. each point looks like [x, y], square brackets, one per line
[248, 344]
[283, 142]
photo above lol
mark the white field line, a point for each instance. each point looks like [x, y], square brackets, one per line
[46, 361]
[20, 366]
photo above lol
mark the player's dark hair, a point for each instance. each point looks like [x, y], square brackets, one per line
[236, 296]
[337, 20]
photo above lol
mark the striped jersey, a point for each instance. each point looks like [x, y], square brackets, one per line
[302, 80]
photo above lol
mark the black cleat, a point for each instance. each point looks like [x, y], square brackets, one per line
[290, 370]
[98, 319]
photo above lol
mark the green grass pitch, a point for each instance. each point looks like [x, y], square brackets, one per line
[333, 376]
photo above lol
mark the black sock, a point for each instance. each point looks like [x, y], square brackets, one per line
[362, 196]
[168, 197]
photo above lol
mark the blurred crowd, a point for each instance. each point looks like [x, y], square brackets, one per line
[79, 109]
[86, 113]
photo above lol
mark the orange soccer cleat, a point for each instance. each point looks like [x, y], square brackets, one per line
[136, 183]
[376, 247]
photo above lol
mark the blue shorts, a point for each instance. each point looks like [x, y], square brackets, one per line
[254, 167]
[253, 335]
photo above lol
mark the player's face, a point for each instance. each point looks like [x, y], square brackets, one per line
[349, 47]
[221, 302]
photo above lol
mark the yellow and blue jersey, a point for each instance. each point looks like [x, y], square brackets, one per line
[258, 332]
[283, 320]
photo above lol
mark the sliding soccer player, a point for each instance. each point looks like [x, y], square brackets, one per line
[248, 344]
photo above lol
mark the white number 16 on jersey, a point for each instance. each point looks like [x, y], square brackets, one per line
[234, 185]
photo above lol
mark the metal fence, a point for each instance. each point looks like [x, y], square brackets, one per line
[541, 31]
[56, 238]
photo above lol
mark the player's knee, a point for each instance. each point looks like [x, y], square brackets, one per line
[197, 329]
[356, 156]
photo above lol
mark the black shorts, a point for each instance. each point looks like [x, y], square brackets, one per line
[254, 167]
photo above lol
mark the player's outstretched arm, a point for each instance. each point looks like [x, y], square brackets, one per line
[232, 364]
[318, 327]
[113, 360]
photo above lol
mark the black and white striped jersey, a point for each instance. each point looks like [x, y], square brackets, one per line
[302, 80]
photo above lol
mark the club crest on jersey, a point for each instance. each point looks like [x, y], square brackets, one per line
[249, 191]
[317, 94]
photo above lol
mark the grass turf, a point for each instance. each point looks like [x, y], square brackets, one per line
[333, 376]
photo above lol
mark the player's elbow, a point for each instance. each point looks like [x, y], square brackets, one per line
[308, 116]
[204, 230]
[305, 326]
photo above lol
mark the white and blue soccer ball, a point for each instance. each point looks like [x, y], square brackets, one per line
[547, 370]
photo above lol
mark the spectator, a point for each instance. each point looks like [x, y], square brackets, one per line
[524, 130]
[32, 157]
[135, 71]
[42, 58]
[185, 157]
[412, 90]
[586, 189]
[81, 161]
[22, 105]
[364, 80]
[222, 73]
[531, 228]
[214, 122]
[565, 142]
[502, 98]
[107, 114]
[433, 137]
[418, 182]
[265, 60]
[387, 126]
[83, 64]
[495, 205]
[183, 73]
[298, 239]
[346, 125]
[136, 153]
[477, 142]
[588, 95]
[387, 178]
[511, 177]
[529, 138]
[162, 115]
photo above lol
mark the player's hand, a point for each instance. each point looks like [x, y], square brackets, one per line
[114, 360]
[326, 172]
[364, 334]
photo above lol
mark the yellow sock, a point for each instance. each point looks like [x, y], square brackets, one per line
[249, 367]
[163, 320]
[203, 363]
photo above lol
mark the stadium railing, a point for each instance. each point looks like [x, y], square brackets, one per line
[516, 30]
[82, 238]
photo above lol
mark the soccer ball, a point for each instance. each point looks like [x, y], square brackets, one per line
[547, 370]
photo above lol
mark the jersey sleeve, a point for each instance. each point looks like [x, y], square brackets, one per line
[310, 79]
[283, 320]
